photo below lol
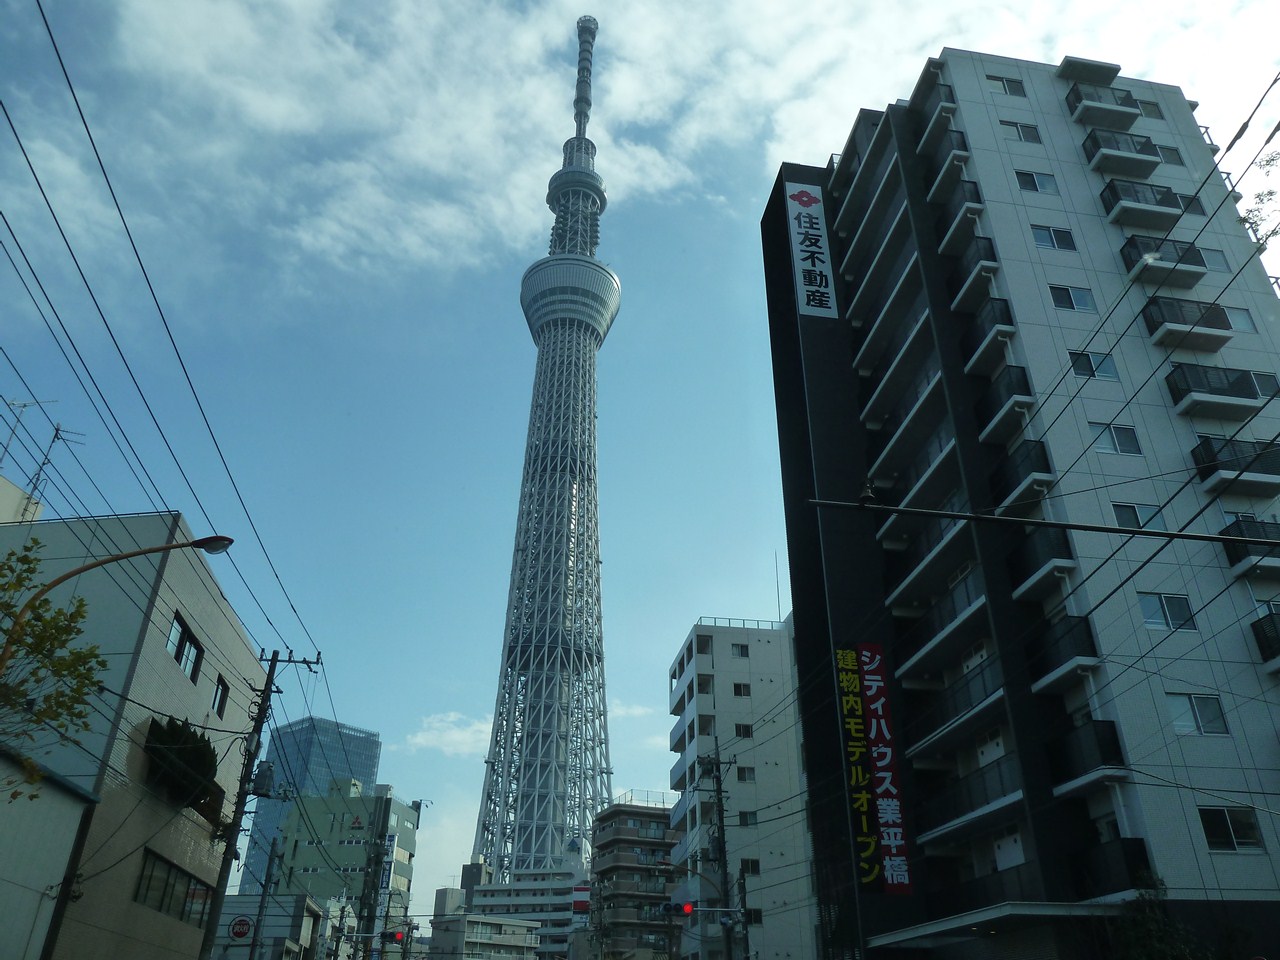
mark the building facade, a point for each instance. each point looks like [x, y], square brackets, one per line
[1024, 293]
[457, 933]
[157, 771]
[631, 878]
[306, 757]
[740, 778]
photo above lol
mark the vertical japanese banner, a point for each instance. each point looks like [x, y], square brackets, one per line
[810, 251]
[880, 844]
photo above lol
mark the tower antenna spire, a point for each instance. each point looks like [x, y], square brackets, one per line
[587, 28]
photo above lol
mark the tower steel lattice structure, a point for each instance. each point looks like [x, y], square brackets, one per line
[547, 771]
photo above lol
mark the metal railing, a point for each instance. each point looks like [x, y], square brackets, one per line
[1135, 191]
[1187, 313]
[1028, 457]
[1187, 378]
[1139, 249]
[1096, 93]
[1113, 140]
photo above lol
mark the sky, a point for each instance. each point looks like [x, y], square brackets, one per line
[334, 204]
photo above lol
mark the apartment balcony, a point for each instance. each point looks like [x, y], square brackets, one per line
[1084, 756]
[949, 706]
[939, 107]
[1131, 203]
[887, 338]
[949, 160]
[1111, 867]
[876, 167]
[959, 219]
[627, 858]
[1254, 560]
[893, 282]
[1095, 105]
[971, 282]
[963, 803]
[1266, 634]
[1169, 263]
[1021, 478]
[1056, 657]
[984, 340]
[901, 360]
[1001, 409]
[920, 406]
[1247, 467]
[1189, 324]
[939, 632]
[1018, 884]
[928, 477]
[938, 546]
[1222, 392]
[1036, 566]
[881, 225]
[1123, 154]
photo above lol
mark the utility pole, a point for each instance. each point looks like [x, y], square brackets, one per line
[742, 904]
[722, 853]
[253, 743]
[272, 856]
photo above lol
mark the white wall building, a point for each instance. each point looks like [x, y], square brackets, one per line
[733, 686]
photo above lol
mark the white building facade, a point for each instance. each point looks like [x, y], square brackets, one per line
[733, 697]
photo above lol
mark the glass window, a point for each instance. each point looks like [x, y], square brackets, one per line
[1151, 109]
[1265, 383]
[1166, 611]
[1013, 130]
[169, 889]
[1170, 155]
[1215, 259]
[221, 690]
[184, 648]
[1036, 182]
[740, 650]
[1197, 713]
[743, 731]
[751, 866]
[1240, 319]
[1231, 828]
[1099, 365]
[1138, 515]
[1053, 238]
[747, 818]
[742, 689]
[746, 774]
[1072, 298]
[1114, 438]
[1190, 204]
[1006, 85]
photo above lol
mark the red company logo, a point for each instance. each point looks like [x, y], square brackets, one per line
[805, 199]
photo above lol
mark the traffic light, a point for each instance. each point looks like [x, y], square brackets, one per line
[393, 936]
[683, 908]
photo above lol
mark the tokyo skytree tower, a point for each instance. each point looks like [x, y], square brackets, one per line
[547, 772]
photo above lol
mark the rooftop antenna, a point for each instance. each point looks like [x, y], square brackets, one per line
[19, 407]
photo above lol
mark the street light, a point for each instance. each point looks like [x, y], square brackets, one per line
[213, 544]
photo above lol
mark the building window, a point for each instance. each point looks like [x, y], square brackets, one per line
[747, 818]
[746, 774]
[753, 916]
[1240, 319]
[1006, 85]
[1166, 611]
[1026, 132]
[1266, 384]
[742, 689]
[704, 643]
[1135, 515]
[1072, 298]
[1115, 438]
[221, 690]
[1215, 259]
[1190, 204]
[739, 650]
[743, 731]
[1231, 828]
[185, 648]
[704, 682]
[1053, 238]
[1036, 182]
[751, 867]
[1197, 713]
[1150, 109]
[168, 888]
[1169, 155]
[1093, 365]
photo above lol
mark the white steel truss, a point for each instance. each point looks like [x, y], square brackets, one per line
[547, 771]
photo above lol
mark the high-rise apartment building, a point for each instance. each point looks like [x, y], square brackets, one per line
[547, 770]
[306, 757]
[1016, 312]
[742, 852]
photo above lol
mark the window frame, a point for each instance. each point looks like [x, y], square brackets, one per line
[1097, 362]
[750, 866]
[1191, 204]
[1204, 711]
[1082, 299]
[744, 731]
[187, 652]
[221, 693]
[997, 84]
[742, 690]
[1211, 256]
[1167, 619]
[1109, 430]
[1177, 160]
[1025, 132]
[1055, 236]
[1150, 109]
[1248, 326]
[740, 650]
[1154, 516]
[1233, 819]
[746, 774]
[748, 818]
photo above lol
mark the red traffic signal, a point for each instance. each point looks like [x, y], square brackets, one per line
[393, 936]
[686, 908]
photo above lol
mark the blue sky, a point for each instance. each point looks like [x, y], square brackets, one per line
[335, 208]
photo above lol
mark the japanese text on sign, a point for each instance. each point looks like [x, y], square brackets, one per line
[810, 252]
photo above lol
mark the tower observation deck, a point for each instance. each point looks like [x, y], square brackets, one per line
[547, 770]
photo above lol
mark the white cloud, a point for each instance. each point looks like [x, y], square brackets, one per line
[619, 709]
[452, 734]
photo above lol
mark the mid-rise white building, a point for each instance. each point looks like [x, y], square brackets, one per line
[737, 739]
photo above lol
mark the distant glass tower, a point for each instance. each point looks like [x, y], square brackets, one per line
[548, 766]
[307, 755]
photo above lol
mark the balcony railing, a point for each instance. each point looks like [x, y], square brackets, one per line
[1186, 323]
[965, 199]
[1170, 262]
[1015, 884]
[968, 286]
[910, 395]
[1254, 460]
[1251, 552]
[1028, 459]
[1111, 867]
[902, 332]
[982, 341]
[1061, 642]
[1266, 634]
[930, 532]
[1140, 204]
[930, 449]
[1096, 93]
[953, 145]
[884, 280]
[1000, 406]
[997, 779]
[951, 702]
[1126, 153]
[1045, 551]
[1221, 391]
[942, 614]
[1083, 749]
